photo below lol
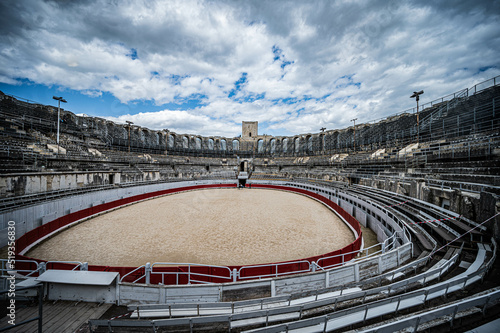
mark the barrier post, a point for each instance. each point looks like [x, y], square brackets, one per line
[147, 272]
[84, 266]
[235, 275]
[356, 272]
[42, 268]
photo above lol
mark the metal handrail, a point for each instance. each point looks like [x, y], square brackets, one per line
[133, 271]
[421, 296]
[189, 273]
[366, 250]
[276, 266]
[77, 263]
[389, 289]
[3, 268]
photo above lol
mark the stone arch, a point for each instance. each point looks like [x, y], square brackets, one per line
[156, 138]
[144, 134]
[236, 144]
[309, 140]
[124, 133]
[171, 140]
[260, 146]
[197, 143]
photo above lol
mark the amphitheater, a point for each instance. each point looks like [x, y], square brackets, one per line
[389, 226]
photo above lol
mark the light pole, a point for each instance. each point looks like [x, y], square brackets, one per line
[129, 124]
[322, 129]
[59, 100]
[416, 96]
[354, 120]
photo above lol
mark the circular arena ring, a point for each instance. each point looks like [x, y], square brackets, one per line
[169, 273]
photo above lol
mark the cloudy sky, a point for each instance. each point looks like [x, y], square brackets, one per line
[204, 66]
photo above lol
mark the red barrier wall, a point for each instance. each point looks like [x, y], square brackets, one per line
[284, 267]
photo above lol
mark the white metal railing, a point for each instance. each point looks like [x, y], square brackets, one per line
[76, 263]
[362, 313]
[133, 271]
[276, 269]
[189, 273]
[288, 302]
[6, 269]
[331, 192]
[365, 250]
[412, 323]
[254, 310]
[235, 275]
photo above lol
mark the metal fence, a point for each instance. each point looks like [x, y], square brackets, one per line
[256, 312]
[362, 313]
[449, 313]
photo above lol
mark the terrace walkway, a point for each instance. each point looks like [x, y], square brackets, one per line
[61, 316]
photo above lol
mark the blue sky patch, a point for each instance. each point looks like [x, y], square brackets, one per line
[279, 56]
[186, 103]
[176, 80]
[484, 69]
[250, 98]
[132, 54]
[238, 84]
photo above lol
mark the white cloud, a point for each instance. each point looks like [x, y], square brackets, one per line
[337, 59]
[182, 121]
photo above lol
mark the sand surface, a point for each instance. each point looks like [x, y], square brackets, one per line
[214, 226]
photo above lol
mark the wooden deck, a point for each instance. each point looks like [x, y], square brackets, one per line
[63, 316]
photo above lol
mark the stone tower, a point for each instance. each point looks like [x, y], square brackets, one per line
[249, 129]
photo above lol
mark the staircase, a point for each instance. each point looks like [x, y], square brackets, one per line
[442, 111]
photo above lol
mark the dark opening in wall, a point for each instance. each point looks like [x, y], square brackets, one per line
[445, 203]
[207, 167]
[353, 180]
[111, 179]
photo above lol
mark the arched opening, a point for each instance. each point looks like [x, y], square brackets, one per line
[260, 146]
[236, 145]
[171, 141]
[310, 144]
